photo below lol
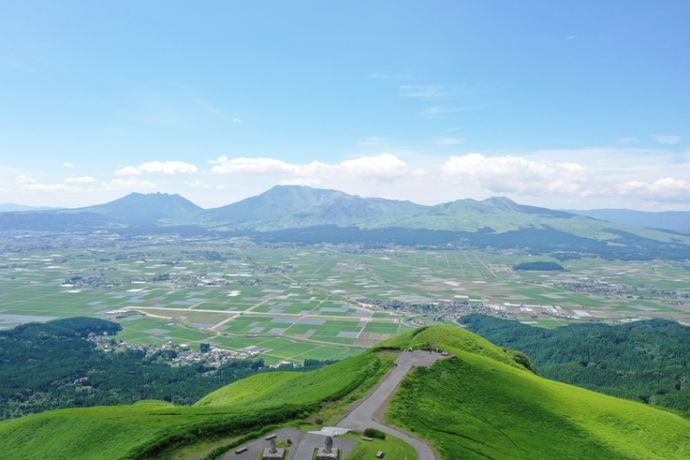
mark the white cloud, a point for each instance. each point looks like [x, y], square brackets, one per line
[81, 180]
[667, 139]
[127, 184]
[30, 184]
[158, 167]
[666, 189]
[68, 165]
[221, 159]
[25, 180]
[254, 165]
[623, 176]
[379, 166]
[237, 120]
[422, 91]
[384, 165]
[514, 174]
[128, 171]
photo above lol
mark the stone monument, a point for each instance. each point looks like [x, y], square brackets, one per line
[328, 452]
[273, 452]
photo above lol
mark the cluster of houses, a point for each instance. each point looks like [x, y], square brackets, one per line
[176, 354]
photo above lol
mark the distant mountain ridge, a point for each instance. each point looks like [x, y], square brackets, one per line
[288, 206]
[301, 214]
[145, 209]
[678, 221]
[13, 207]
[131, 211]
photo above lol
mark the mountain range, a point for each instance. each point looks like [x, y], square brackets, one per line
[303, 215]
[12, 207]
[678, 221]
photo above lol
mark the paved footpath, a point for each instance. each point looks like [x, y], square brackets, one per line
[369, 412]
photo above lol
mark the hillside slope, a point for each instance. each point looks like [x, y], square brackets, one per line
[484, 402]
[678, 221]
[482, 405]
[642, 360]
[145, 429]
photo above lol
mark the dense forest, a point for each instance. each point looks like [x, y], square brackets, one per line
[545, 240]
[645, 361]
[539, 266]
[51, 366]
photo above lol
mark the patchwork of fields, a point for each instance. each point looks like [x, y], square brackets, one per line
[315, 303]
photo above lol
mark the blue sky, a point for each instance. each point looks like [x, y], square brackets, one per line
[563, 104]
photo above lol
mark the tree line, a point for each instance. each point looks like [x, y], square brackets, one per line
[51, 366]
[645, 361]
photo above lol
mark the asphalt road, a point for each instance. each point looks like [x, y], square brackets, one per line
[369, 412]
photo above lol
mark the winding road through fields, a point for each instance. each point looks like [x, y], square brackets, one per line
[369, 412]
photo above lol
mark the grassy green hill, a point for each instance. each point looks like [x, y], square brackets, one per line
[248, 390]
[643, 360]
[328, 383]
[481, 405]
[483, 402]
[145, 429]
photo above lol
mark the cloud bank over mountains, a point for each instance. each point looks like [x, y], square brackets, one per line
[564, 178]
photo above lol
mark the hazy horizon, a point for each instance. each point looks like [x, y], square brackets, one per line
[124, 195]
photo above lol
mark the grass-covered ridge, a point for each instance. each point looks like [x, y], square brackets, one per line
[325, 384]
[479, 404]
[455, 340]
[143, 430]
[247, 390]
[644, 360]
[482, 402]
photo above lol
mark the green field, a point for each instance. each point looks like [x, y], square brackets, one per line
[311, 302]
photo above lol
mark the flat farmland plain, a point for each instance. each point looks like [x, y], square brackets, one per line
[296, 303]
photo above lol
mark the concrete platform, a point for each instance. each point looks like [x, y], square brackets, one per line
[303, 445]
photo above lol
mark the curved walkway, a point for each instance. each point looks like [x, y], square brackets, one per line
[371, 409]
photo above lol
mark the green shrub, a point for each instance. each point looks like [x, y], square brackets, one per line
[374, 433]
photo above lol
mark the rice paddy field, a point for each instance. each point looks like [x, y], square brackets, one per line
[296, 303]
